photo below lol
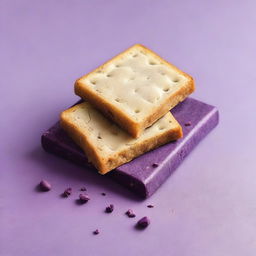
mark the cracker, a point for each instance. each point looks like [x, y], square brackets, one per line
[135, 88]
[105, 144]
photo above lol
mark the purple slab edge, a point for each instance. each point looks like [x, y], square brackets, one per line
[139, 175]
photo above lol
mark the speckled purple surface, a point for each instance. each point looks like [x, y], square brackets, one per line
[140, 175]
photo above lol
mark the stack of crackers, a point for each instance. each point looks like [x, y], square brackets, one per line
[126, 107]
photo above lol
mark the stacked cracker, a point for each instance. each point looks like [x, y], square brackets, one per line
[126, 106]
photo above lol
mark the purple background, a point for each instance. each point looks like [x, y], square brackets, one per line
[207, 207]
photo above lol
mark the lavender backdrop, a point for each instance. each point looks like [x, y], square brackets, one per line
[207, 207]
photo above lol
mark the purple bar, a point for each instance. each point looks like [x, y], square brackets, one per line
[141, 175]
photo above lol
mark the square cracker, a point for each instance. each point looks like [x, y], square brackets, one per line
[135, 88]
[105, 144]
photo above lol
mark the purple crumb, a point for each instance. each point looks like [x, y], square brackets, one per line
[45, 185]
[96, 232]
[187, 123]
[155, 165]
[150, 206]
[103, 194]
[83, 198]
[83, 189]
[109, 208]
[143, 223]
[67, 192]
[130, 213]
[131, 184]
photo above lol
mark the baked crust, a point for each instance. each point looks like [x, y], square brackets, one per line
[107, 162]
[134, 127]
[137, 150]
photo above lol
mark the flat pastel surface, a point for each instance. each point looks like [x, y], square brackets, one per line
[207, 207]
[141, 175]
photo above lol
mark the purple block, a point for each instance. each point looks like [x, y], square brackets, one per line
[145, 174]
